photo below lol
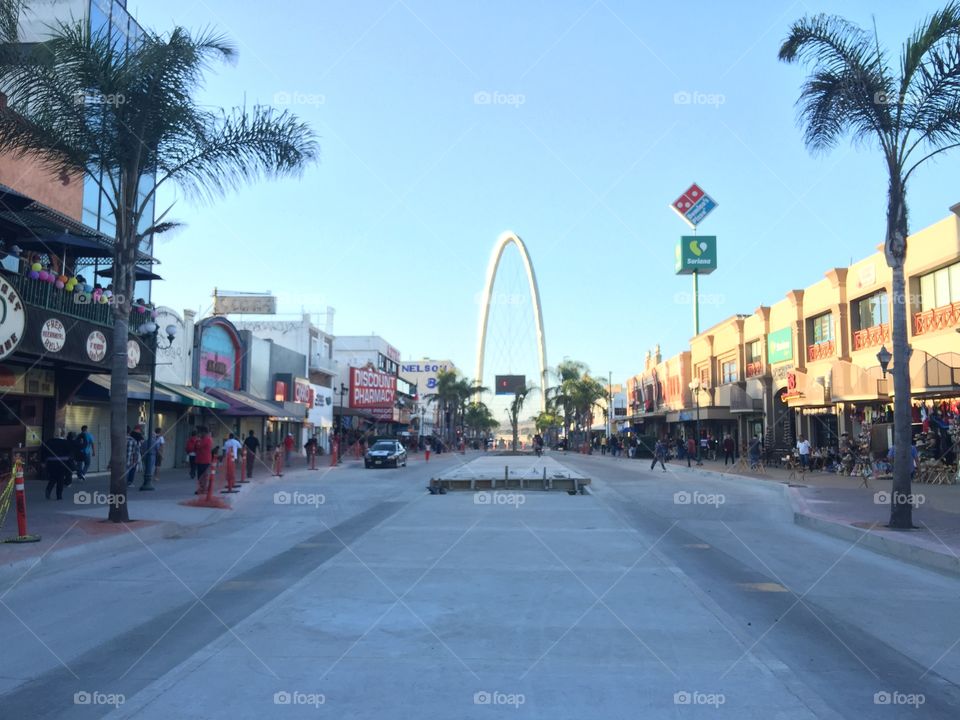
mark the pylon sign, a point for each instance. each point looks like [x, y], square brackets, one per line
[694, 205]
[696, 253]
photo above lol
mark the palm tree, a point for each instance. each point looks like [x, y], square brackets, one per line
[128, 119]
[479, 419]
[911, 111]
[559, 396]
[465, 391]
[446, 394]
[516, 407]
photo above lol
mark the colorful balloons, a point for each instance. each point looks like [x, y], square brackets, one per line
[62, 279]
[59, 285]
[34, 275]
[36, 267]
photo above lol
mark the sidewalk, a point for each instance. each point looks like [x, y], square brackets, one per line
[70, 526]
[836, 505]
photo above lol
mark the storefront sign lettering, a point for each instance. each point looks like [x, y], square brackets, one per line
[133, 354]
[96, 346]
[371, 389]
[53, 335]
[13, 318]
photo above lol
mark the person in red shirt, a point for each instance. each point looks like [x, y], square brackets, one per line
[287, 449]
[192, 453]
[204, 456]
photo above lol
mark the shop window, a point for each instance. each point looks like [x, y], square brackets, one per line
[940, 288]
[728, 371]
[821, 329]
[871, 311]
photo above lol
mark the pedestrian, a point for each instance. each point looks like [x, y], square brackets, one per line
[59, 465]
[603, 445]
[287, 449]
[204, 457]
[232, 446]
[691, 449]
[803, 450]
[157, 447]
[76, 453]
[659, 453]
[192, 453]
[134, 452]
[252, 445]
[754, 452]
[88, 450]
[914, 458]
[728, 448]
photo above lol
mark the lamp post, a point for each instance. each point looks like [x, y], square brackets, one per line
[884, 357]
[343, 391]
[151, 331]
[695, 389]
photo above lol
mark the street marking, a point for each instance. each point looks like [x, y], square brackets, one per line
[697, 546]
[763, 587]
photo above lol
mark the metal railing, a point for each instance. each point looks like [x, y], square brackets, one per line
[46, 295]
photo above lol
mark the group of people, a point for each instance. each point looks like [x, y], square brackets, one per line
[65, 455]
[201, 454]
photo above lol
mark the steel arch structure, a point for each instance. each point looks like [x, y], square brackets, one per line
[511, 238]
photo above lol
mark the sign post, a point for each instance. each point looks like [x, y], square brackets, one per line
[695, 255]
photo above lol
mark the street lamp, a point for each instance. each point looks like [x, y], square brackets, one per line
[695, 389]
[884, 357]
[151, 331]
[343, 391]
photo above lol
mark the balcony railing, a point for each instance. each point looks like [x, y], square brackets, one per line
[43, 294]
[820, 351]
[939, 318]
[754, 368]
[871, 336]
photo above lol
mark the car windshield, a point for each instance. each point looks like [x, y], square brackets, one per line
[383, 446]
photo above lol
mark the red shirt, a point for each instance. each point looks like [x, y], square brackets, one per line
[691, 446]
[288, 442]
[204, 450]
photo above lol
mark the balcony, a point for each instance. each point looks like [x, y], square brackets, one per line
[47, 296]
[820, 351]
[327, 366]
[754, 368]
[939, 318]
[871, 337]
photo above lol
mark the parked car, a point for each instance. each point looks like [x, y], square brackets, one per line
[384, 453]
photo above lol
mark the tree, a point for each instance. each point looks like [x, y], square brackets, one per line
[479, 419]
[547, 422]
[446, 394]
[911, 112]
[513, 412]
[128, 119]
[559, 396]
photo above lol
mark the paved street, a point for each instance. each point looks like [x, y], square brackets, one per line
[356, 594]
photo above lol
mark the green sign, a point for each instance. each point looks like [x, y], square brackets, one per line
[780, 346]
[697, 253]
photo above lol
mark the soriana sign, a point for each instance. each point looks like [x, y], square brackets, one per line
[373, 391]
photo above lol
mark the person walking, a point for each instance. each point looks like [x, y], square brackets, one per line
[659, 453]
[803, 450]
[287, 449]
[232, 446]
[728, 448]
[192, 453]
[252, 445]
[754, 452]
[134, 453]
[88, 451]
[204, 457]
[59, 465]
[603, 445]
[691, 450]
[157, 444]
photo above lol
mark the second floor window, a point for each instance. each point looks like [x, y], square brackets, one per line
[821, 329]
[728, 371]
[871, 311]
[940, 288]
[754, 351]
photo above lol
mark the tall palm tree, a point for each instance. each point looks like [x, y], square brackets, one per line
[128, 119]
[446, 394]
[911, 112]
[516, 407]
[466, 390]
[566, 373]
[479, 419]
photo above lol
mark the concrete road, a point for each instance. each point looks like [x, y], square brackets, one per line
[355, 594]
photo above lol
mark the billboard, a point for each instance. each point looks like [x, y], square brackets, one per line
[244, 303]
[694, 205]
[696, 253]
[510, 384]
[373, 391]
[780, 346]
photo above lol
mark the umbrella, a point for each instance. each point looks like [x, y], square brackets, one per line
[140, 274]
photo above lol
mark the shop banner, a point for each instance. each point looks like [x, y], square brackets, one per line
[780, 346]
[373, 391]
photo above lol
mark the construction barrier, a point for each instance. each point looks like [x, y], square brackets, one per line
[208, 500]
[243, 467]
[277, 462]
[231, 473]
[335, 454]
[16, 484]
[426, 453]
[313, 457]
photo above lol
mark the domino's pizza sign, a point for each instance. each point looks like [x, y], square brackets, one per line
[694, 205]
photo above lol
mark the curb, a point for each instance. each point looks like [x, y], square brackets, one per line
[880, 542]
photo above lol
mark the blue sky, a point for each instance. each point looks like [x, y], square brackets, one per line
[444, 123]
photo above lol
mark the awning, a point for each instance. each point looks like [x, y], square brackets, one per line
[241, 404]
[140, 273]
[192, 396]
[98, 387]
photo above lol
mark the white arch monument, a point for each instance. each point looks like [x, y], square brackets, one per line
[508, 238]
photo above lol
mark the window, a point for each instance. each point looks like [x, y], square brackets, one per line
[940, 288]
[728, 370]
[871, 311]
[754, 351]
[821, 328]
